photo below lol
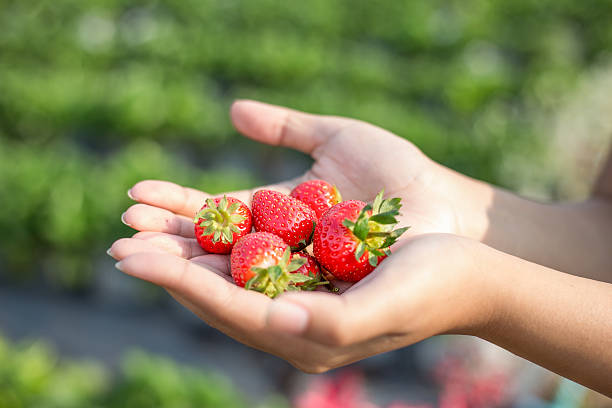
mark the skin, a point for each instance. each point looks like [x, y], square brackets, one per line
[473, 289]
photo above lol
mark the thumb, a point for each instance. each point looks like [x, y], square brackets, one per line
[280, 126]
[336, 320]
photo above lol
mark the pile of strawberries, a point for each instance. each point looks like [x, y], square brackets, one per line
[349, 238]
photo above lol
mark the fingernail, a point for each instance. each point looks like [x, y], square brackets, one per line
[287, 317]
[118, 266]
[109, 252]
[129, 193]
[124, 221]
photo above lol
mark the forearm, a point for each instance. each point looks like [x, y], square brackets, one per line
[574, 238]
[559, 321]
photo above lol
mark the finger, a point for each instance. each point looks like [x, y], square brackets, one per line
[354, 316]
[187, 201]
[164, 194]
[280, 126]
[217, 298]
[187, 248]
[219, 262]
[125, 247]
[147, 218]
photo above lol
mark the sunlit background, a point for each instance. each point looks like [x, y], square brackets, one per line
[96, 95]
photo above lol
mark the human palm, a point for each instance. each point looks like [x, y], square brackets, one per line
[360, 159]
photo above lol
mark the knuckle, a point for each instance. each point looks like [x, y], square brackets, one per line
[282, 129]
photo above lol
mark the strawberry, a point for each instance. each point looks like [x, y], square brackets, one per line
[310, 269]
[221, 222]
[262, 261]
[318, 195]
[285, 216]
[353, 237]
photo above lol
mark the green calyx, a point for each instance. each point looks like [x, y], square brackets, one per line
[276, 279]
[375, 231]
[219, 220]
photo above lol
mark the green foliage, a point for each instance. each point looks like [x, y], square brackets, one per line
[62, 205]
[33, 375]
[465, 80]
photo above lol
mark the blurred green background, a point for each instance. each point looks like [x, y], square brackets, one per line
[96, 95]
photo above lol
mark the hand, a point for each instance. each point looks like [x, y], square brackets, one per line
[359, 158]
[414, 294]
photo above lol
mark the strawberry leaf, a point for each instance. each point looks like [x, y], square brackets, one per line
[348, 224]
[286, 257]
[385, 218]
[275, 272]
[360, 250]
[237, 218]
[298, 278]
[223, 204]
[373, 259]
[232, 208]
[377, 202]
[227, 234]
[393, 236]
[391, 204]
[296, 263]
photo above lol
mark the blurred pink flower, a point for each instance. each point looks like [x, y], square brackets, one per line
[342, 391]
[346, 390]
[464, 388]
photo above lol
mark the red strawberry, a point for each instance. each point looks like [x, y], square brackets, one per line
[310, 269]
[285, 216]
[352, 237]
[318, 195]
[261, 261]
[221, 222]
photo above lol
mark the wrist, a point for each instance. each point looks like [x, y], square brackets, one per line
[478, 297]
[470, 200]
[457, 295]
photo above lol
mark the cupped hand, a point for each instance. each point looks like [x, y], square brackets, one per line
[414, 294]
[360, 159]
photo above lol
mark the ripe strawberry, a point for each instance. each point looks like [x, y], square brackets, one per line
[352, 237]
[318, 195]
[285, 216]
[221, 222]
[310, 269]
[262, 261]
